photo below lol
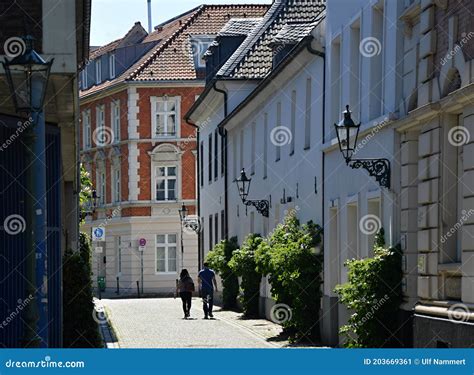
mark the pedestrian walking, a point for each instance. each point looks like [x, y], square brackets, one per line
[185, 288]
[207, 285]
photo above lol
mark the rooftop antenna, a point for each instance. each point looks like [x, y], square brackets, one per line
[149, 16]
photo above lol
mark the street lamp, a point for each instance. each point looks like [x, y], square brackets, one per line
[92, 204]
[347, 132]
[27, 76]
[187, 221]
[243, 184]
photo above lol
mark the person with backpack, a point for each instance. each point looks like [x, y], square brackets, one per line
[185, 288]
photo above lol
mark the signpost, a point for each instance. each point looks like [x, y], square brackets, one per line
[141, 249]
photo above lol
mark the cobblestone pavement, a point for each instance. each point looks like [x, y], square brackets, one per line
[159, 323]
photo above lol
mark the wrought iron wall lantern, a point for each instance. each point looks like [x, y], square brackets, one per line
[347, 132]
[186, 221]
[243, 184]
[91, 204]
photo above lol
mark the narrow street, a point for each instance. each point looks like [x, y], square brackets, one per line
[159, 323]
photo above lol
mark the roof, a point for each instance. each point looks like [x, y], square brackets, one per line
[172, 56]
[239, 26]
[287, 21]
[173, 59]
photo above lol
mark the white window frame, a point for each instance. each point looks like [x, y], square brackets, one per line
[98, 71]
[117, 183]
[154, 100]
[166, 178]
[84, 78]
[101, 179]
[166, 245]
[112, 65]
[86, 128]
[100, 119]
[115, 119]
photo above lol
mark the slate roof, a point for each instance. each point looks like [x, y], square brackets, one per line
[173, 59]
[287, 21]
[239, 26]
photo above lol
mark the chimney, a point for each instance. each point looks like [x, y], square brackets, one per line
[149, 16]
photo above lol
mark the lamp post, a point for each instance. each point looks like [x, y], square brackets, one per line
[347, 132]
[27, 77]
[92, 204]
[187, 222]
[243, 184]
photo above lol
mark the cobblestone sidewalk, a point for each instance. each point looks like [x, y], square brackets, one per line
[159, 323]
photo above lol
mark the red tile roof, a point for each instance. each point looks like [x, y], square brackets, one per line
[173, 59]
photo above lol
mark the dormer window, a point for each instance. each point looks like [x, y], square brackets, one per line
[98, 71]
[112, 66]
[199, 45]
[84, 78]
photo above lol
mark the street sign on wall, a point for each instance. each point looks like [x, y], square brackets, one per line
[98, 234]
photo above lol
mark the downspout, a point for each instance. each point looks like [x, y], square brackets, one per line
[198, 189]
[223, 133]
[323, 56]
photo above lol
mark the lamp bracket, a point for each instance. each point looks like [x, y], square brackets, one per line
[378, 168]
[262, 206]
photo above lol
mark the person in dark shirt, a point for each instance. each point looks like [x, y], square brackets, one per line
[185, 288]
[207, 285]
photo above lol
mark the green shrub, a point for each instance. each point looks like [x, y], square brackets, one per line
[218, 259]
[80, 330]
[373, 296]
[290, 258]
[243, 265]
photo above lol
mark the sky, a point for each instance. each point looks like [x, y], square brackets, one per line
[111, 19]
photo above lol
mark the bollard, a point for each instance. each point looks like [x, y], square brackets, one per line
[138, 288]
[118, 290]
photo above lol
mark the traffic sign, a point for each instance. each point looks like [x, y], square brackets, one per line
[98, 234]
[142, 242]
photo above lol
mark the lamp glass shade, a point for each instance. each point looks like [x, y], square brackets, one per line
[183, 212]
[27, 77]
[243, 184]
[347, 133]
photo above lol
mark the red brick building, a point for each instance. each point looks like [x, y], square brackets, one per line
[139, 150]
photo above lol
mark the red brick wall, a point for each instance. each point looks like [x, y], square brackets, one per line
[188, 168]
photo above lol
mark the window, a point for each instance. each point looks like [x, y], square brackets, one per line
[265, 144]
[115, 119]
[354, 77]
[100, 135]
[165, 183]
[201, 163]
[352, 231]
[254, 149]
[100, 176]
[216, 224]
[165, 253]
[223, 151]
[307, 119]
[293, 122]
[278, 124]
[116, 183]
[199, 45]
[252, 222]
[216, 155]
[335, 82]
[234, 157]
[211, 228]
[373, 208]
[112, 65]
[98, 71]
[209, 160]
[86, 121]
[165, 116]
[84, 78]
[223, 230]
[118, 255]
[376, 65]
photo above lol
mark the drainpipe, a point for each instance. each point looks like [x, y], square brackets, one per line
[223, 133]
[323, 56]
[198, 190]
